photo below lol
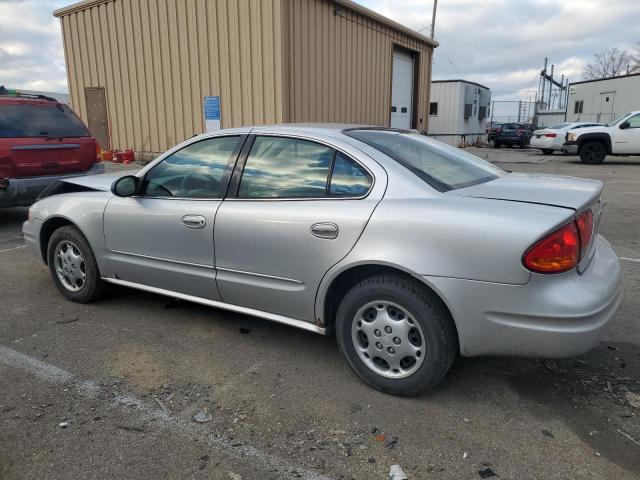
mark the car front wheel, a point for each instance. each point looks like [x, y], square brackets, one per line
[395, 335]
[73, 266]
[593, 153]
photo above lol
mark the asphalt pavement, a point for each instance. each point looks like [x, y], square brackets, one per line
[109, 390]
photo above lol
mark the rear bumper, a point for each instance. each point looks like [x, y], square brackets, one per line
[552, 316]
[543, 143]
[24, 191]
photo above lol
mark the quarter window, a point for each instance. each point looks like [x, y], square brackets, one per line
[195, 171]
[279, 167]
[348, 179]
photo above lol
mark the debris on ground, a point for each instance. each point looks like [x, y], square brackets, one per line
[67, 320]
[379, 438]
[396, 473]
[487, 473]
[466, 420]
[130, 428]
[628, 436]
[551, 366]
[391, 444]
[609, 387]
[547, 433]
[162, 406]
[63, 424]
[633, 399]
[203, 416]
[465, 455]
[244, 330]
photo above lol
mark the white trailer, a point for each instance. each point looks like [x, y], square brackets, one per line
[603, 100]
[458, 111]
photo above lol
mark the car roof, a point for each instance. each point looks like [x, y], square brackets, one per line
[13, 100]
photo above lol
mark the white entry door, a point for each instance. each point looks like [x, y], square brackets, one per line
[402, 89]
[606, 107]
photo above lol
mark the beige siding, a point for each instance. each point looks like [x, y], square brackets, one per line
[157, 59]
[339, 65]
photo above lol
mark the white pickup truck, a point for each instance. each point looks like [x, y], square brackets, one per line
[593, 144]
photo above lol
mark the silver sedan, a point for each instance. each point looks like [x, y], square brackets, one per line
[412, 251]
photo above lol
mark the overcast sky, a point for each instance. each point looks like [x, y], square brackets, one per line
[499, 43]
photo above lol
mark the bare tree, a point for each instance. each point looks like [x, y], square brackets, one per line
[635, 59]
[607, 63]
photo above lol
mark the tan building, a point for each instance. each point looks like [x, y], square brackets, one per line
[139, 70]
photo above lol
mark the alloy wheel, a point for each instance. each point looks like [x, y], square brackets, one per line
[388, 340]
[70, 266]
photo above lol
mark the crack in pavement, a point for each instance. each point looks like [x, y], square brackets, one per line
[91, 389]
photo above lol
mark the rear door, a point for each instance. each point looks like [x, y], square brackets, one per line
[297, 206]
[42, 138]
[163, 237]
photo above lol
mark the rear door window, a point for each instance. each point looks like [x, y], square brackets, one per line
[280, 167]
[29, 120]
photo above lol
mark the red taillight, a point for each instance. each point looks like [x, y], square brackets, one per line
[520, 131]
[550, 135]
[585, 228]
[561, 250]
[555, 253]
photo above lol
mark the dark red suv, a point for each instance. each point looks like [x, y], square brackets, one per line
[41, 141]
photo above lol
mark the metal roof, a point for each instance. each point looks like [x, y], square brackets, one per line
[85, 4]
[456, 80]
[605, 79]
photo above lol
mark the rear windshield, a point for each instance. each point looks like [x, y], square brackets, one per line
[28, 120]
[440, 165]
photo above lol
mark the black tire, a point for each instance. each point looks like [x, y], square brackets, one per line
[593, 153]
[509, 145]
[547, 151]
[437, 328]
[92, 287]
[496, 144]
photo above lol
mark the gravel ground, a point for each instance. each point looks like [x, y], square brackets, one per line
[108, 390]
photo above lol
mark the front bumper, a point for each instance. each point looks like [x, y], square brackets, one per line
[23, 191]
[31, 233]
[552, 316]
[570, 147]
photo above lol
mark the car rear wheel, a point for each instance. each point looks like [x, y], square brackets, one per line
[496, 144]
[396, 336]
[73, 266]
[593, 153]
[547, 151]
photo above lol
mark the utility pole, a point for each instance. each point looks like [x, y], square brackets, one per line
[433, 19]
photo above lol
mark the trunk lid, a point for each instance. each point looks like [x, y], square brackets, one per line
[555, 190]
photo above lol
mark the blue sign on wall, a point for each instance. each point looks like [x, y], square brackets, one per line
[212, 115]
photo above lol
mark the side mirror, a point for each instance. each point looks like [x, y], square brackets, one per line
[624, 125]
[126, 186]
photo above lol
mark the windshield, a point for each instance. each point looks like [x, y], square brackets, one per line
[440, 165]
[615, 122]
[28, 120]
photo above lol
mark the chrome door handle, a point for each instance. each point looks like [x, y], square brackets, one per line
[194, 221]
[325, 230]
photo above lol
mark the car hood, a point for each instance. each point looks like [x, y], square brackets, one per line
[580, 131]
[100, 182]
[555, 190]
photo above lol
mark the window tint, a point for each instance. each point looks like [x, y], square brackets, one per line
[24, 120]
[195, 171]
[440, 165]
[280, 167]
[348, 179]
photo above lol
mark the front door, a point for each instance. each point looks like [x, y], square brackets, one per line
[606, 114]
[402, 89]
[627, 140]
[299, 207]
[97, 115]
[163, 237]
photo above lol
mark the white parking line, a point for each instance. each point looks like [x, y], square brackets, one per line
[637, 260]
[14, 248]
[262, 461]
